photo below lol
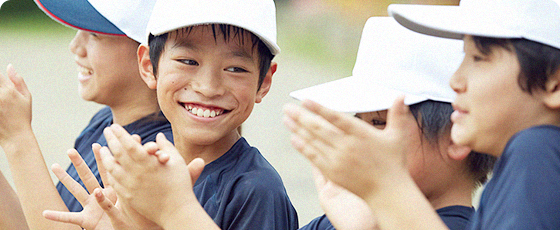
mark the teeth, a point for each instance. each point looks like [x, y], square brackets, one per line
[84, 71]
[203, 112]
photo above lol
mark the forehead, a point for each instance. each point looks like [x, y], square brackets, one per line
[234, 37]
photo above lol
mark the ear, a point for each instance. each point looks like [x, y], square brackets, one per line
[458, 152]
[146, 68]
[552, 94]
[267, 82]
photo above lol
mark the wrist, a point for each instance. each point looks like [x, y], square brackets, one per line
[23, 139]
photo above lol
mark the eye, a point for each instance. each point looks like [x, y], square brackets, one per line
[236, 70]
[477, 58]
[376, 122]
[95, 35]
[188, 62]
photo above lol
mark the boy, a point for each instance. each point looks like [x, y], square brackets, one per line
[105, 50]
[507, 105]
[210, 61]
[392, 61]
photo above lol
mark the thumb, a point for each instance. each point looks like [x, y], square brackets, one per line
[195, 168]
[398, 116]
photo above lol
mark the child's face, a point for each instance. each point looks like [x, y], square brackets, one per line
[207, 86]
[107, 66]
[427, 163]
[490, 106]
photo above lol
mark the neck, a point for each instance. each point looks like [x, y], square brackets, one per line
[130, 109]
[190, 150]
[458, 194]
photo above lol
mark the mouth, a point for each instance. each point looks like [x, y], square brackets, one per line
[204, 111]
[458, 113]
[84, 71]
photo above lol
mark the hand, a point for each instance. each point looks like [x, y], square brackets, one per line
[142, 181]
[92, 216]
[344, 209]
[15, 101]
[350, 152]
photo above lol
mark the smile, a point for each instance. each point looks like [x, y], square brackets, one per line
[204, 112]
[85, 71]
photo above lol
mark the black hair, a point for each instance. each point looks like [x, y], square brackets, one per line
[434, 120]
[537, 61]
[157, 45]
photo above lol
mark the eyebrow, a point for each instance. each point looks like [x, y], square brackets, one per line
[185, 44]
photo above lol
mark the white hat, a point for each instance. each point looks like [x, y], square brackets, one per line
[535, 20]
[120, 17]
[256, 16]
[391, 61]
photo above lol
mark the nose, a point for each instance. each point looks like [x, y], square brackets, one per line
[209, 82]
[457, 81]
[77, 45]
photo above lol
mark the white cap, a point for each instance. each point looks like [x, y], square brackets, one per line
[391, 61]
[256, 16]
[535, 20]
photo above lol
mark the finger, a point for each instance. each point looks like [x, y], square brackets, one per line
[115, 174]
[119, 153]
[137, 138]
[195, 168]
[342, 121]
[90, 181]
[151, 147]
[132, 147]
[73, 187]
[4, 81]
[109, 207]
[309, 145]
[65, 217]
[310, 126]
[18, 81]
[398, 116]
[95, 147]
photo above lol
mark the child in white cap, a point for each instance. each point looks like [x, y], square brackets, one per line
[210, 62]
[104, 48]
[507, 105]
[394, 61]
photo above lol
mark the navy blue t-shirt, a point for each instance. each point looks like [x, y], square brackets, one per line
[241, 190]
[147, 128]
[524, 192]
[455, 217]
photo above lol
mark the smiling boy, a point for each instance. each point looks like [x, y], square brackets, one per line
[210, 62]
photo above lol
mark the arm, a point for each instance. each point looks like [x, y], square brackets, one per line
[142, 181]
[29, 171]
[12, 216]
[366, 161]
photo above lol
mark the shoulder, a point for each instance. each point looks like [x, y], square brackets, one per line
[537, 146]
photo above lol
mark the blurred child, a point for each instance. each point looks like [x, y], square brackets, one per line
[105, 52]
[507, 105]
[392, 61]
[210, 62]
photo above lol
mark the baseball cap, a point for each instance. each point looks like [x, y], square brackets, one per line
[391, 61]
[120, 17]
[256, 16]
[535, 20]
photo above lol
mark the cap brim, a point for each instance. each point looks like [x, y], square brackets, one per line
[78, 14]
[354, 95]
[447, 21]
